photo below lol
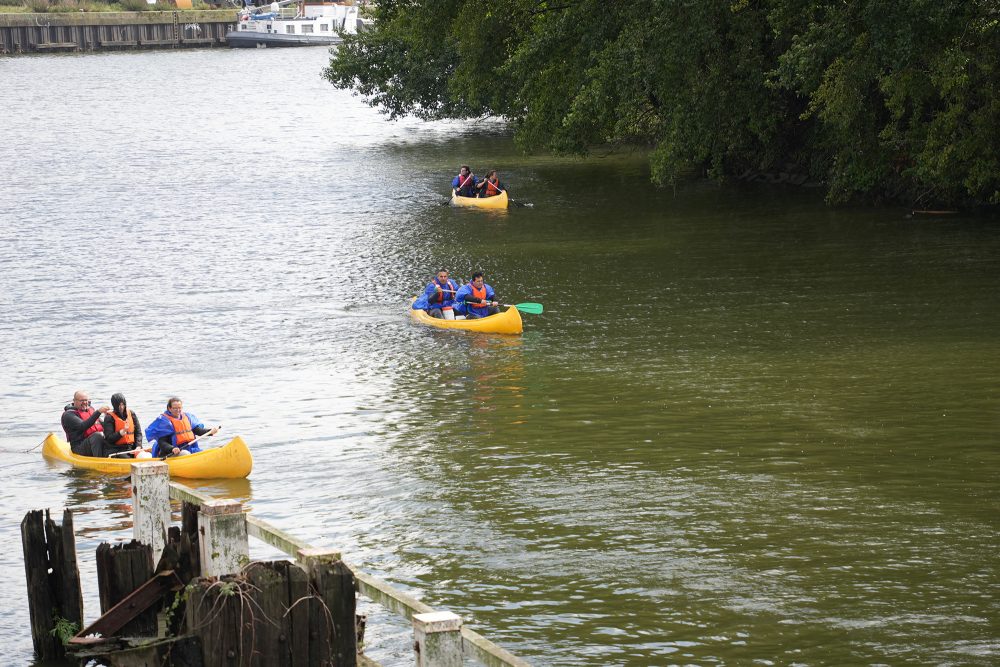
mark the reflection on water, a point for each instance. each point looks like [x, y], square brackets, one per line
[747, 428]
[91, 492]
[237, 489]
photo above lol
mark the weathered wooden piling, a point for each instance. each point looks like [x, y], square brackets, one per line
[238, 612]
[334, 584]
[222, 533]
[121, 569]
[275, 613]
[54, 597]
[151, 504]
[437, 639]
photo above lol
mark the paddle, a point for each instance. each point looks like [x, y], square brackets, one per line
[129, 452]
[188, 444]
[511, 199]
[527, 307]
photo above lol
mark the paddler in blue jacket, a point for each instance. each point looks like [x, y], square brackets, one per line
[438, 298]
[173, 432]
[464, 184]
[476, 299]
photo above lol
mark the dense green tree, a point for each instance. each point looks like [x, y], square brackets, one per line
[877, 99]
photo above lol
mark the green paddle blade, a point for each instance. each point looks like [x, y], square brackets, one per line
[530, 308]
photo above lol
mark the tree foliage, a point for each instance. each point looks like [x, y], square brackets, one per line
[876, 99]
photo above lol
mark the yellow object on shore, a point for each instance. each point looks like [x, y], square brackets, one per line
[497, 201]
[507, 322]
[231, 461]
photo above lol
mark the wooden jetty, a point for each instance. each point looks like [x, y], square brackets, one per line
[204, 603]
[102, 31]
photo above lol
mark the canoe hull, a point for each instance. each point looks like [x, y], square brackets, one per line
[507, 322]
[231, 461]
[499, 201]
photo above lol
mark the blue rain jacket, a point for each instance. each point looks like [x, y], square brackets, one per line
[463, 308]
[428, 299]
[161, 427]
[469, 190]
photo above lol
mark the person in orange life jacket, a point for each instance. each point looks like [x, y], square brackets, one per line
[438, 298]
[82, 425]
[122, 431]
[491, 185]
[476, 299]
[464, 184]
[170, 432]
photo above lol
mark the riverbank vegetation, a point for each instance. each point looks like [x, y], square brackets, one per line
[897, 101]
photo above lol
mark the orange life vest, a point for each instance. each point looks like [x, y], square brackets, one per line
[479, 293]
[491, 188]
[128, 425]
[447, 293]
[182, 429]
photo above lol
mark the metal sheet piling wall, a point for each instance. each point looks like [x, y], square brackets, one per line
[94, 31]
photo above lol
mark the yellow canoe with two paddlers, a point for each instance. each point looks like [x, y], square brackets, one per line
[497, 201]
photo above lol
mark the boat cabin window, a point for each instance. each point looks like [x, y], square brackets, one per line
[307, 28]
[290, 29]
[324, 27]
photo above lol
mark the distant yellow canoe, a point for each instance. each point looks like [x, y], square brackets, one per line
[506, 322]
[231, 461]
[498, 201]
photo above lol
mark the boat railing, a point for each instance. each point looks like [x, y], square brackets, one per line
[473, 645]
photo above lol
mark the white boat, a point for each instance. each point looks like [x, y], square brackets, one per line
[303, 24]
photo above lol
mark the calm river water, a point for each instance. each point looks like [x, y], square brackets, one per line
[748, 428]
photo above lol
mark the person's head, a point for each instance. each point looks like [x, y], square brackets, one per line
[442, 275]
[119, 404]
[492, 175]
[81, 400]
[477, 279]
[175, 406]
[464, 171]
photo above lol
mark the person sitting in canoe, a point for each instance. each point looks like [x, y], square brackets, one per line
[464, 184]
[122, 431]
[476, 299]
[491, 185]
[438, 298]
[82, 425]
[173, 433]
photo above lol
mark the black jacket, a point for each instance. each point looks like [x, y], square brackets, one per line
[74, 426]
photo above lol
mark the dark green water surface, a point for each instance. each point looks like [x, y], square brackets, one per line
[749, 428]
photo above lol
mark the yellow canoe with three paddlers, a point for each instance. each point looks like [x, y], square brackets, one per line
[231, 461]
[506, 322]
[497, 201]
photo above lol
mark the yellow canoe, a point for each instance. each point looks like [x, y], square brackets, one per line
[498, 201]
[506, 322]
[231, 461]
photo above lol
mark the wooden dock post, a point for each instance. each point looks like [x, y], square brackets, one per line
[121, 569]
[334, 584]
[223, 543]
[437, 639]
[53, 580]
[151, 504]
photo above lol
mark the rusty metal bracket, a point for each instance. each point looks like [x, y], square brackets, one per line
[131, 606]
